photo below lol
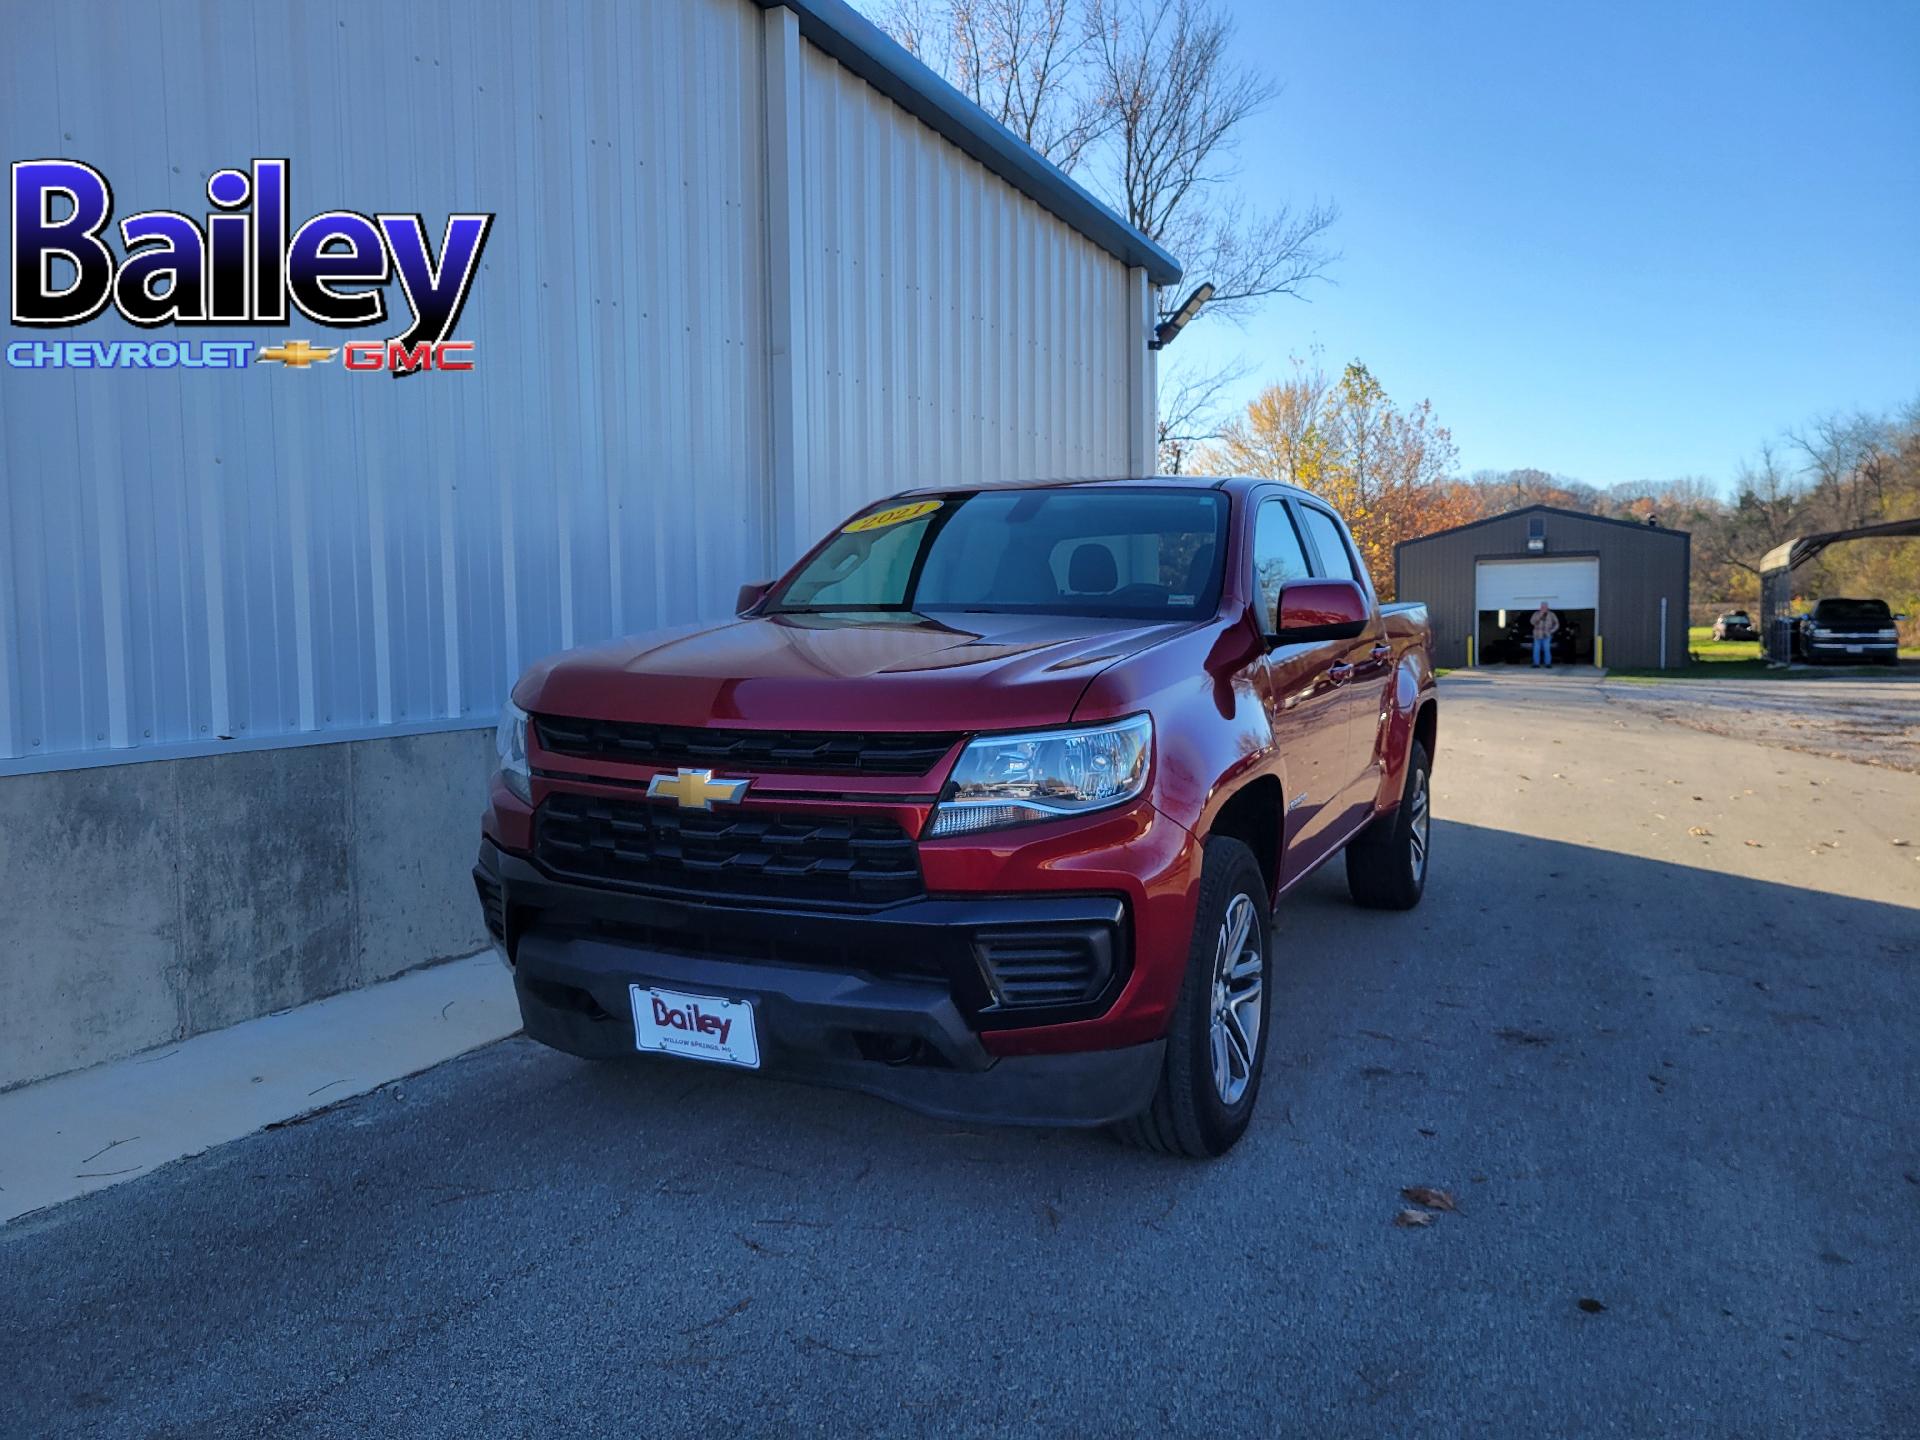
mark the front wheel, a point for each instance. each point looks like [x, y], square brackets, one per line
[1217, 1041]
[1387, 862]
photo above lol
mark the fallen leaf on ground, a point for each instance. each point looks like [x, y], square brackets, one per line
[1698, 830]
[1411, 1219]
[1428, 1196]
[1900, 842]
[1756, 844]
[1590, 1305]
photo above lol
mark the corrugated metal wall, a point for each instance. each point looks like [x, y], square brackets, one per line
[279, 554]
[1639, 565]
[959, 331]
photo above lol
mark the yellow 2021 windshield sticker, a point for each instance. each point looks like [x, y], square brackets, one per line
[893, 515]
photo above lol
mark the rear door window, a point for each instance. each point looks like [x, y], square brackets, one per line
[1335, 561]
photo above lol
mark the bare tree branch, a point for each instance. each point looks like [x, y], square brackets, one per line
[1190, 410]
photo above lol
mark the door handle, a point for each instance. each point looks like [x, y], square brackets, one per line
[1340, 673]
[1383, 652]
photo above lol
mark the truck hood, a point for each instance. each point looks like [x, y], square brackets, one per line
[842, 672]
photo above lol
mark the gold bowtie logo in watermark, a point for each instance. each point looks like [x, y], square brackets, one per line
[295, 355]
[696, 789]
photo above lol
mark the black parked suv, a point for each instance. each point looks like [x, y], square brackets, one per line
[1849, 631]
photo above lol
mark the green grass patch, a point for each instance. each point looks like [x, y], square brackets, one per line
[1709, 651]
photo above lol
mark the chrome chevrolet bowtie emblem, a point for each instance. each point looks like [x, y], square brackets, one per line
[696, 789]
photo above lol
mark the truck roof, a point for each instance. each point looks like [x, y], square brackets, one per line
[1230, 483]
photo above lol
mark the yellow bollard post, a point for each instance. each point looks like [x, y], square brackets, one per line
[1469, 652]
[1599, 652]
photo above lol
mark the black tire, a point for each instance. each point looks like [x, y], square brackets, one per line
[1190, 1115]
[1387, 863]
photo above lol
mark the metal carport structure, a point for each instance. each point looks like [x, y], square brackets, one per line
[1776, 575]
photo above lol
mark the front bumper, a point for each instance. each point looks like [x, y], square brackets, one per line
[914, 1001]
[1854, 650]
[900, 1040]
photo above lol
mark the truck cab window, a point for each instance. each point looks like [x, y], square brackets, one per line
[1277, 556]
[1335, 560]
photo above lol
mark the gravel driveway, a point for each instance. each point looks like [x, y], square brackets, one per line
[1874, 720]
[1669, 1076]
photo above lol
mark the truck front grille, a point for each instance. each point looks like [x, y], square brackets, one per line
[746, 855]
[802, 751]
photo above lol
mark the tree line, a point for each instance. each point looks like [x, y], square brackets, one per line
[1391, 470]
[1836, 472]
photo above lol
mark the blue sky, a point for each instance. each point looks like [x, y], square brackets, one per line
[1618, 242]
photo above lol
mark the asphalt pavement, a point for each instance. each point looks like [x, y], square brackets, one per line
[1653, 1029]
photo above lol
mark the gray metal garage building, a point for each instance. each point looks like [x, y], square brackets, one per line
[1619, 587]
[751, 267]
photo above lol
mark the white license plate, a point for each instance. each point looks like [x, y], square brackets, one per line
[1855, 649]
[700, 1027]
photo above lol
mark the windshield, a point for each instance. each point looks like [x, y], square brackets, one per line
[1873, 614]
[1127, 552]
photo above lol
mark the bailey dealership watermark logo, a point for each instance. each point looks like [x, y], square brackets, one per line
[242, 266]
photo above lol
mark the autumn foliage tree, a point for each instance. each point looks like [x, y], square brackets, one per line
[1387, 469]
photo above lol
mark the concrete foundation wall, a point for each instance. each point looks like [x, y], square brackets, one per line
[144, 903]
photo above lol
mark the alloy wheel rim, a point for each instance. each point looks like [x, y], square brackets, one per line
[1238, 974]
[1418, 830]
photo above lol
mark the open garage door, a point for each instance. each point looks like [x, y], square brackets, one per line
[1506, 592]
[1572, 584]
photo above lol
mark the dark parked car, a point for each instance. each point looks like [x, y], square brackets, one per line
[1849, 631]
[1735, 625]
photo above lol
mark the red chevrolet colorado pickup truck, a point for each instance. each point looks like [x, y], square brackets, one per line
[984, 807]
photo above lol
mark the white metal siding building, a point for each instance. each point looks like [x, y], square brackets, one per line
[751, 267]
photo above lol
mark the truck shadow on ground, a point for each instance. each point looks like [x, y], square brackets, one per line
[1526, 953]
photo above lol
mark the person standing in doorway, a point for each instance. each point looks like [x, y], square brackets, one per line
[1545, 622]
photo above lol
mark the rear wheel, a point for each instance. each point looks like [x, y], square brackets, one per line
[1387, 862]
[1216, 1044]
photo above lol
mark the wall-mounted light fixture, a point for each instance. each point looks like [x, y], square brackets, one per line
[1164, 332]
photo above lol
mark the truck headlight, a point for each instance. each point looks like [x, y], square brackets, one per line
[1003, 780]
[510, 744]
[1821, 633]
[1889, 634]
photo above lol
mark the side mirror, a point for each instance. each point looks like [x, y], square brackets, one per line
[1319, 610]
[751, 594]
